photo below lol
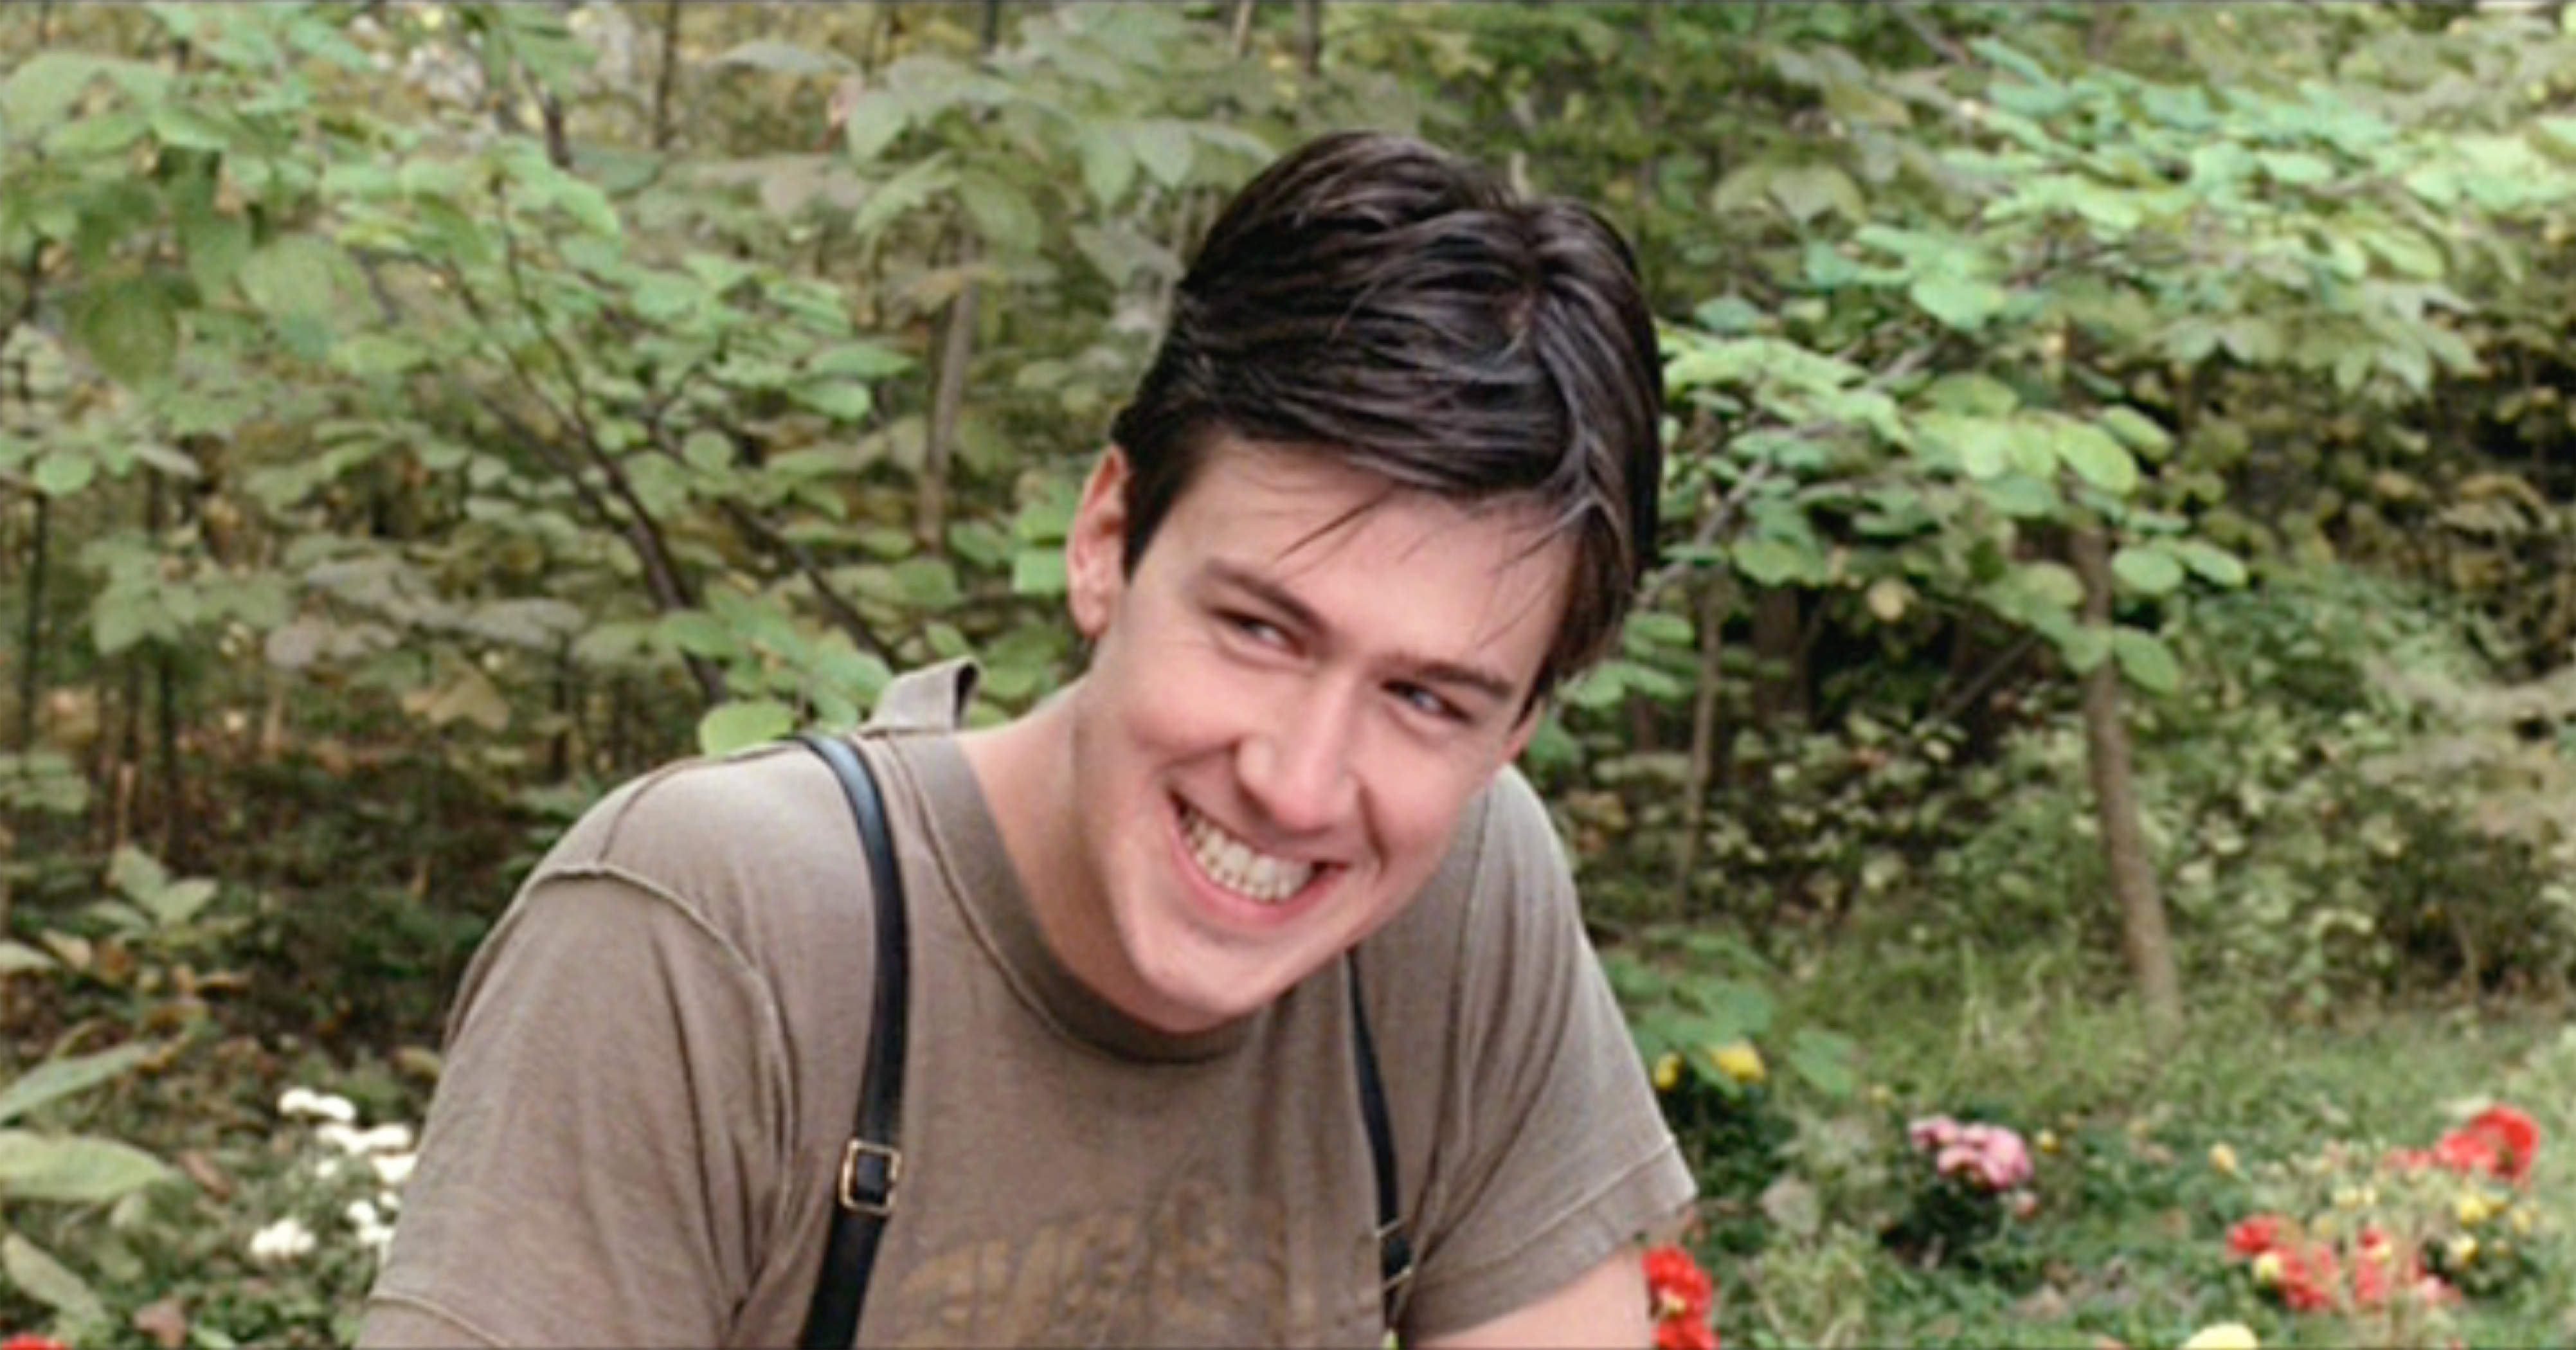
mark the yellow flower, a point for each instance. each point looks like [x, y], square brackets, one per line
[2223, 1336]
[2223, 1160]
[2047, 1141]
[1668, 1071]
[2473, 1209]
[2464, 1248]
[2267, 1269]
[2519, 1219]
[1740, 1061]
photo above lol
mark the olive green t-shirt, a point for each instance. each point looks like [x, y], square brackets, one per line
[653, 1061]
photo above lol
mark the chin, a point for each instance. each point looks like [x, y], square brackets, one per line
[1192, 989]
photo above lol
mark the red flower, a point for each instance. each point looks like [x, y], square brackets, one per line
[1681, 1298]
[2500, 1141]
[28, 1340]
[2255, 1236]
[2307, 1277]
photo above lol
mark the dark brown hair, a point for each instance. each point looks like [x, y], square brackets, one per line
[1374, 299]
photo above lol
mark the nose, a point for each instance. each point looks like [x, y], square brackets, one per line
[1295, 765]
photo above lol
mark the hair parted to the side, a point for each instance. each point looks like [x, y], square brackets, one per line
[1374, 299]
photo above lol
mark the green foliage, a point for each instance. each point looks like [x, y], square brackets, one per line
[414, 418]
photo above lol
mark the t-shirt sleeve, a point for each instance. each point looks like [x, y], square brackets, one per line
[1550, 1153]
[596, 1164]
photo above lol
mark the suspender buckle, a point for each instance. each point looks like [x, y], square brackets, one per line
[869, 1173]
[1394, 1258]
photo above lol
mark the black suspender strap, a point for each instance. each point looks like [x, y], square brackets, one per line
[1394, 1248]
[871, 1164]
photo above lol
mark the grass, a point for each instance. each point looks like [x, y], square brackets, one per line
[2127, 1246]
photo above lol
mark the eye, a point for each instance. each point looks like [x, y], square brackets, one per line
[1425, 703]
[1253, 628]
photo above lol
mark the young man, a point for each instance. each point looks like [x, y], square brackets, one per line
[1390, 479]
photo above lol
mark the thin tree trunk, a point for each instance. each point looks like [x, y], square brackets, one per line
[1703, 741]
[667, 77]
[956, 352]
[1312, 11]
[1243, 27]
[1779, 657]
[947, 406]
[31, 649]
[2115, 801]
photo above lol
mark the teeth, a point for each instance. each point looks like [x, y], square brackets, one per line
[1232, 864]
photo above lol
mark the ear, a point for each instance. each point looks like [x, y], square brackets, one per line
[1095, 568]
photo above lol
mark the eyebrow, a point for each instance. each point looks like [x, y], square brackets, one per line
[1481, 679]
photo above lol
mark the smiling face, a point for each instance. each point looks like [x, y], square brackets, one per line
[1292, 697]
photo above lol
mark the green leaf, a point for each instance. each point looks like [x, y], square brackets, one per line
[16, 957]
[875, 119]
[2097, 458]
[215, 245]
[785, 58]
[2213, 563]
[129, 327]
[1774, 562]
[2146, 660]
[929, 583]
[1825, 1060]
[863, 360]
[1002, 213]
[61, 474]
[907, 191]
[841, 400]
[135, 872]
[290, 277]
[2136, 430]
[39, 1276]
[56, 1079]
[700, 634]
[183, 128]
[1108, 167]
[78, 1170]
[2147, 569]
[43, 88]
[2083, 648]
[734, 726]
[1038, 571]
[1806, 191]
[1961, 303]
[1165, 149]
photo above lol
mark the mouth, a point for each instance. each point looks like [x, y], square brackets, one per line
[1239, 869]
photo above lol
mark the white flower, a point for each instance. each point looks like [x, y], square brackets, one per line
[393, 1169]
[373, 1232]
[381, 1139]
[280, 1242]
[304, 1101]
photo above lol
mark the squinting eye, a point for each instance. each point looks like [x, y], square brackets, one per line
[1429, 704]
[1259, 630]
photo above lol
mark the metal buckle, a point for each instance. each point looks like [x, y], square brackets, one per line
[1393, 1232]
[892, 1166]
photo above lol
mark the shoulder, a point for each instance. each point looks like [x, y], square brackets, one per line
[1506, 873]
[730, 842]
